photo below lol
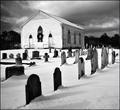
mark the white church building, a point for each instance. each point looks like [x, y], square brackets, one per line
[43, 30]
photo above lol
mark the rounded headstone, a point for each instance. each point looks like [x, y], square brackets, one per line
[94, 61]
[76, 56]
[63, 58]
[81, 68]
[55, 53]
[18, 59]
[113, 57]
[33, 88]
[57, 78]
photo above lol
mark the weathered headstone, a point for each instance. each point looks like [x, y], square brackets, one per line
[94, 61]
[81, 68]
[46, 56]
[96, 58]
[63, 58]
[18, 59]
[4, 55]
[57, 78]
[11, 56]
[55, 53]
[113, 57]
[33, 88]
[74, 53]
[104, 58]
[106, 55]
[25, 55]
[14, 70]
[35, 54]
[69, 53]
[89, 53]
[76, 56]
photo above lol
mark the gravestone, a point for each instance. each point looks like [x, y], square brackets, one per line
[11, 56]
[46, 56]
[94, 61]
[4, 55]
[104, 58]
[96, 58]
[81, 68]
[25, 55]
[14, 70]
[35, 54]
[55, 53]
[69, 53]
[63, 58]
[113, 57]
[33, 88]
[18, 59]
[89, 53]
[74, 53]
[57, 78]
[76, 56]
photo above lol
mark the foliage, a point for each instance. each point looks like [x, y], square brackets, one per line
[105, 40]
[9, 40]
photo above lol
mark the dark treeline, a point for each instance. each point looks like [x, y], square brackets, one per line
[12, 40]
[9, 40]
[105, 40]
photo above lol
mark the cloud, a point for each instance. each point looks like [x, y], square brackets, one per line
[93, 15]
[105, 23]
[14, 20]
[21, 20]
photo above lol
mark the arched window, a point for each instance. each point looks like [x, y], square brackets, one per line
[69, 37]
[74, 38]
[79, 38]
[40, 34]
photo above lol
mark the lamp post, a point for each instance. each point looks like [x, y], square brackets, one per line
[50, 42]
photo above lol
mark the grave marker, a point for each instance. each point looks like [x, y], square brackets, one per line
[89, 53]
[69, 53]
[57, 78]
[63, 58]
[25, 55]
[11, 56]
[46, 56]
[4, 55]
[33, 88]
[81, 68]
[55, 53]
[76, 56]
[94, 61]
[18, 59]
[104, 58]
[35, 54]
[113, 57]
[14, 70]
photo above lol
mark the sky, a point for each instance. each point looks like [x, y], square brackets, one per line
[96, 17]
